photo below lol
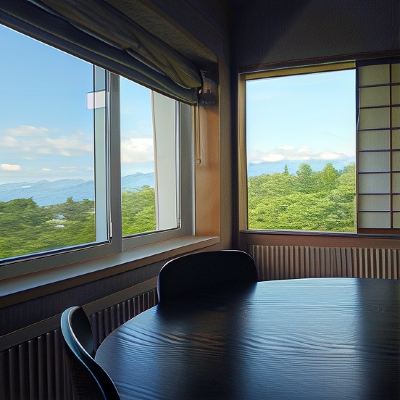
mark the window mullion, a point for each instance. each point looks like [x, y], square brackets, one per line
[114, 184]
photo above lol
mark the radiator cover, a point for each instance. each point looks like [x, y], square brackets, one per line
[290, 262]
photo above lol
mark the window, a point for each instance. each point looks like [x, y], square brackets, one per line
[322, 156]
[379, 147]
[89, 161]
[149, 139]
[47, 151]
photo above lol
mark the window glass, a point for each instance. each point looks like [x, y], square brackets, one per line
[47, 149]
[149, 160]
[300, 134]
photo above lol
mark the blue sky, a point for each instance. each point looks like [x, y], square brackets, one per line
[302, 117]
[46, 129]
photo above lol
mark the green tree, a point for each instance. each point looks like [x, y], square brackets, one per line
[138, 211]
[306, 181]
[286, 170]
[328, 177]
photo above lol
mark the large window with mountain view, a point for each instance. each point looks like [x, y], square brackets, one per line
[47, 149]
[68, 131]
[301, 152]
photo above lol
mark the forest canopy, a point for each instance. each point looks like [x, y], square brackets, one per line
[26, 227]
[308, 200]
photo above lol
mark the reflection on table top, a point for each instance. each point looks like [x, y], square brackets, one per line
[297, 339]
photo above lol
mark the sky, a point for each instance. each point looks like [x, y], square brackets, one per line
[46, 128]
[301, 117]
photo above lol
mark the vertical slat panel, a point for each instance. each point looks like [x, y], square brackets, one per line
[59, 364]
[42, 370]
[266, 269]
[264, 261]
[4, 371]
[290, 262]
[23, 371]
[349, 262]
[33, 376]
[389, 266]
[13, 374]
[50, 365]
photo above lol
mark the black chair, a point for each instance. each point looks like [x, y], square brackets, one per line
[89, 380]
[203, 272]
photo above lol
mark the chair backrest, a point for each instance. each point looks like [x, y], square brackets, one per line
[201, 272]
[89, 380]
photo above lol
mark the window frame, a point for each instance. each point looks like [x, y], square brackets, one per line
[116, 244]
[242, 177]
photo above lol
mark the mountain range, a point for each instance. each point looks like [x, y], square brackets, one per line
[46, 192]
[255, 169]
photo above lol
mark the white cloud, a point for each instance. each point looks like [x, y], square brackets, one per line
[46, 169]
[37, 140]
[8, 141]
[26, 130]
[329, 155]
[289, 153]
[135, 150]
[286, 147]
[10, 167]
[67, 145]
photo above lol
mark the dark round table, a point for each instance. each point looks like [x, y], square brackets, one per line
[297, 339]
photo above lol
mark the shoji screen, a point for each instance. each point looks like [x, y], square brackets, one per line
[378, 147]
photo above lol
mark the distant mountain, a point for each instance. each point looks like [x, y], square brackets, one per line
[255, 169]
[135, 181]
[46, 192]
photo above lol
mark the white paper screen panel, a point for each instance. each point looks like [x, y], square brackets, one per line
[374, 75]
[374, 140]
[395, 73]
[374, 183]
[396, 161]
[374, 118]
[374, 162]
[396, 183]
[396, 117]
[396, 220]
[396, 139]
[379, 220]
[396, 94]
[374, 96]
[396, 202]
[374, 202]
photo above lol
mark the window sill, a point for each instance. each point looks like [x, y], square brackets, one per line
[321, 233]
[31, 286]
[316, 239]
